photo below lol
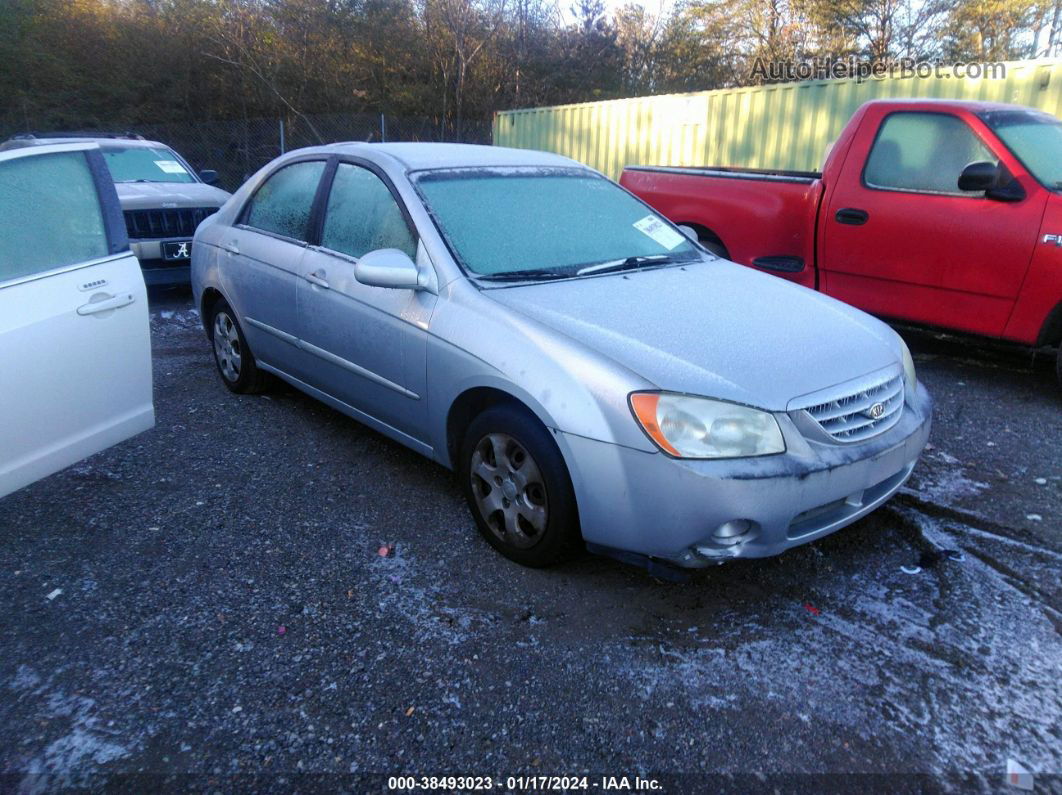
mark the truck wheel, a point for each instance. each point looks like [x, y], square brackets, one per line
[714, 245]
[518, 488]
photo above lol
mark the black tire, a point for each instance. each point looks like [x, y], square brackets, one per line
[714, 245]
[232, 355]
[491, 479]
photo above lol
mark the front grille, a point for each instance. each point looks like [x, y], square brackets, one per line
[172, 222]
[851, 418]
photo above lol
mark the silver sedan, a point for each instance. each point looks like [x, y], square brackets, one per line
[594, 377]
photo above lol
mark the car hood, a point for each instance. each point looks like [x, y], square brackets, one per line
[715, 329]
[153, 195]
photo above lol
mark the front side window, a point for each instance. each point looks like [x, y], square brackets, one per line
[145, 164]
[363, 216]
[284, 202]
[923, 153]
[1035, 138]
[554, 221]
[50, 214]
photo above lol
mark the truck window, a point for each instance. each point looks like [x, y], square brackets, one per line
[923, 153]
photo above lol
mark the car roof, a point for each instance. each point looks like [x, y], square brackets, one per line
[421, 156]
[103, 141]
[972, 105]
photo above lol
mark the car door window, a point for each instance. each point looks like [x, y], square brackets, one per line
[51, 214]
[363, 216]
[924, 153]
[282, 205]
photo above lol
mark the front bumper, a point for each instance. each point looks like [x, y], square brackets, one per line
[157, 270]
[651, 505]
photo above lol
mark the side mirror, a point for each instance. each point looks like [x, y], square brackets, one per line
[689, 232]
[209, 176]
[994, 179]
[388, 267]
[979, 176]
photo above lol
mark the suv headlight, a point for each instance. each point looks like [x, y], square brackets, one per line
[694, 427]
[908, 367]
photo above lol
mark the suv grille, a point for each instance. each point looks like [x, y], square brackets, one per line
[851, 418]
[174, 222]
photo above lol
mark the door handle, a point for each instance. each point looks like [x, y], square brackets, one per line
[318, 278]
[852, 216]
[105, 305]
[232, 247]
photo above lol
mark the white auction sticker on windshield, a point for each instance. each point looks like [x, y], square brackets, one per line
[171, 166]
[659, 231]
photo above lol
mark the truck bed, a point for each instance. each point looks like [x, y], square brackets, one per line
[734, 173]
[756, 217]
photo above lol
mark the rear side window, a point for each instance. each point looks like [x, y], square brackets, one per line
[284, 202]
[50, 214]
[924, 153]
[363, 216]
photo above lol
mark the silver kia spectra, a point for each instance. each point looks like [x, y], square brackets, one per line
[593, 376]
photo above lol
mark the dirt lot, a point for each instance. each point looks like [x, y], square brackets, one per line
[225, 619]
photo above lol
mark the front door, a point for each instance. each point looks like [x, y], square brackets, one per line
[368, 344]
[75, 348]
[901, 240]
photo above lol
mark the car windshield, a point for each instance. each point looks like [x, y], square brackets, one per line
[145, 164]
[546, 223]
[1035, 139]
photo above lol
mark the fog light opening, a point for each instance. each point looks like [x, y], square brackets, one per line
[732, 531]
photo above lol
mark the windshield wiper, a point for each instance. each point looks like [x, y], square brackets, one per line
[626, 264]
[529, 275]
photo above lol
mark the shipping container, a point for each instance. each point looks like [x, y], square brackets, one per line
[779, 126]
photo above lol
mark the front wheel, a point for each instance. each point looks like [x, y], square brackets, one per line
[517, 487]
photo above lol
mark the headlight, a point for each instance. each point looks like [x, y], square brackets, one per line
[908, 368]
[696, 427]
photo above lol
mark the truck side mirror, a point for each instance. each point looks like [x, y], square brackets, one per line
[979, 176]
[209, 176]
[992, 178]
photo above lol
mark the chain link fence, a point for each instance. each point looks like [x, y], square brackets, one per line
[238, 148]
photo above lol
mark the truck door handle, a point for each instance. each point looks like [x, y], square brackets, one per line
[852, 216]
[232, 247]
[106, 305]
[318, 278]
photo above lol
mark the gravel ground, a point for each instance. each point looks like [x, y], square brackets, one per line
[225, 620]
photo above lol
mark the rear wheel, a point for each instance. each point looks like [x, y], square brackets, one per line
[235, 362]
[714, 245]
[517, 487]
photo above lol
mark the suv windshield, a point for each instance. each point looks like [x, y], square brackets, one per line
[546, 223]
[1035, 139]
[145, 164]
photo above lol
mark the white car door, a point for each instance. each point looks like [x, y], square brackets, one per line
[75, 348]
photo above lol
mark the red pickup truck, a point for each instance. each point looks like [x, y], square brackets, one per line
[936, 212]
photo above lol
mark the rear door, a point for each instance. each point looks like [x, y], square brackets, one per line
[75, 350]
[262, 259]
[901, 240]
